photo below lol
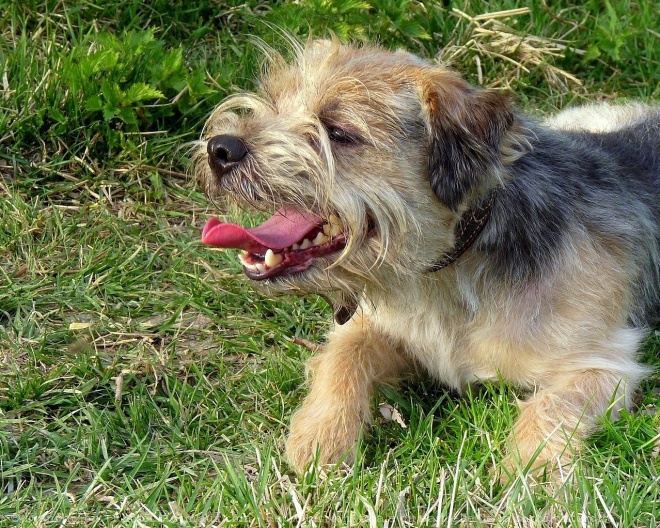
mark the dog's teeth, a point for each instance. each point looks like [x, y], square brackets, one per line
[294, 247]
[260, 266]
[326, 229]
[272, 259]
[243, 258]
[320, 239]
[305, 244]
[336, 226]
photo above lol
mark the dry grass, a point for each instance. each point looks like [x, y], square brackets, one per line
[489, 38]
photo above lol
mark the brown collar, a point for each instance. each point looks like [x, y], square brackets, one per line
[467, 230]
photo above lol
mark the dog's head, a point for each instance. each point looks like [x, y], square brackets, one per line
[367, 158]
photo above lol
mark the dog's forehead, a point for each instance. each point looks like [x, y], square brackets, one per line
[352, 74]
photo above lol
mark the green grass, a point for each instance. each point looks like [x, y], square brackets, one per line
[142, 381]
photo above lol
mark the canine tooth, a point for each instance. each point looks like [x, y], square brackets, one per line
[326, 229]
[272, 259]
[305, 244]
[335, 220]
[320, 239]
[335, 229]
[294, 247]
[260, 266]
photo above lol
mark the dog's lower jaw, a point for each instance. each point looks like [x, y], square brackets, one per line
[319, 278]
[327, 277]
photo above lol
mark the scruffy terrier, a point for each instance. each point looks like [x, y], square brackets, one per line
[451, 232]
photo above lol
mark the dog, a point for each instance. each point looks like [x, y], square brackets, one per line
[451, 232]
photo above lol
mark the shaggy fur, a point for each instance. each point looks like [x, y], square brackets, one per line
[554, 295]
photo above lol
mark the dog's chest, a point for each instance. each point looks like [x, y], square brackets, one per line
[437, 335]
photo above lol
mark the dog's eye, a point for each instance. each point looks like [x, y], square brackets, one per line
[339, 135]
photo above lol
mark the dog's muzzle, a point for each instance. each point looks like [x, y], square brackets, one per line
[225, 152]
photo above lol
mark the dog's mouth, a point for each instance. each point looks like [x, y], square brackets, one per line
[287, 243]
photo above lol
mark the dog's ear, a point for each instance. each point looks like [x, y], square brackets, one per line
[467, 126]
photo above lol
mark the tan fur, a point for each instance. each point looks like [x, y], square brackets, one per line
[344, 376]
[573, 350]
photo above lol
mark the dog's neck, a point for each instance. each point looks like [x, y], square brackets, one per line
[467, 230]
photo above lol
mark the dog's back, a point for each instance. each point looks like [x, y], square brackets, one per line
[629, 136]
[636, 148]
[593, 170]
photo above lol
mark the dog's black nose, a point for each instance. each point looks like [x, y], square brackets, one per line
[225, 152]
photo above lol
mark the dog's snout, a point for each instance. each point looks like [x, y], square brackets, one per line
[225, 152]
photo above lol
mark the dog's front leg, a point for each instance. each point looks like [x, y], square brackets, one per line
[343, 376]
[565, 410]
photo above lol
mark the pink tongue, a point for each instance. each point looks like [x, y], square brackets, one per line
[286, 227]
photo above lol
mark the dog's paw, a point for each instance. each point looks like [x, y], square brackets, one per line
[532, 471]
[322, 436]
[535, 465]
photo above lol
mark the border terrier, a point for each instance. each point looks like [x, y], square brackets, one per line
[451, 232]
